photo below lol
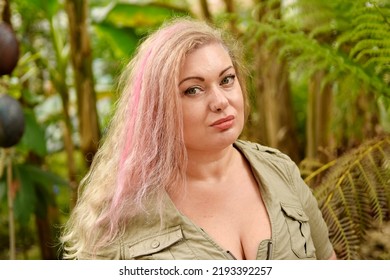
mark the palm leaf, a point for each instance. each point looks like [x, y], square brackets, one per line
[354, 194]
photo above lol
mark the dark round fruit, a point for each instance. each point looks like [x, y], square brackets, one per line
[11, 121]
[9, 49]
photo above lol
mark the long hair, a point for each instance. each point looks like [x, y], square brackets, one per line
[142, 154]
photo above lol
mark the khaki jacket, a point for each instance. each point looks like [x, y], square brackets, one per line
[297, 228]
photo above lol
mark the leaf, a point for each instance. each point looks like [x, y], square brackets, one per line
[3, 190]
[136, 15]
[354, 194]
[48, 7]
[25, 199]
[35, 191]
[43, 177]
[122, 41]
[34, 135]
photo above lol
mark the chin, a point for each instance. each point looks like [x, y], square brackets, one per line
[212, 144]
[213, 141]
[226, 140]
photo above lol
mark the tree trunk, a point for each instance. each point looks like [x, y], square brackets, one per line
[320, 102]
[45, 238]
[5, 12]
[361, 123]
[81, 56]
[44, 220]
[205, 10]
[58, 78]
[274, 104]
[229, 5]
[69, 148]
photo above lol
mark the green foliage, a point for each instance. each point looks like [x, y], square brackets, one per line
[41, 83]
[48, 7]
[118, 27]
[122, 41]
[123, 24]
[369, 39]
[349, 43]
[34, 135]
[35, 191]
[331, 44]
[346, 40]
[354, 194]
[139, 15]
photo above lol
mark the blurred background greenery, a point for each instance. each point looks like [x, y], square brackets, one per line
[319, 91]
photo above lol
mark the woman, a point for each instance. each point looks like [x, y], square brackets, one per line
[171, 179]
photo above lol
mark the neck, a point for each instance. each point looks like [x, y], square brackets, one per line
[210, 165]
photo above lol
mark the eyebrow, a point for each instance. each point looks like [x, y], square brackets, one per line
[202, 79]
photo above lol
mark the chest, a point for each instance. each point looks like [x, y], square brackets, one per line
[232, 214]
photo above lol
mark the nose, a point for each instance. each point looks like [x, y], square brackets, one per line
[218, 100]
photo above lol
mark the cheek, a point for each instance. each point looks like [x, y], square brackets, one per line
[186, 113]
[190, 120]
[239, 103]
[239, 106]
[191, 115]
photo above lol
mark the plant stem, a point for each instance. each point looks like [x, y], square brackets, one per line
[12, 246]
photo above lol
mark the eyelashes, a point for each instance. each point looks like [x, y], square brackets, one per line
[226, 81]
[193, 91]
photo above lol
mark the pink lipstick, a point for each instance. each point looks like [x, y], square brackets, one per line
[224, 123]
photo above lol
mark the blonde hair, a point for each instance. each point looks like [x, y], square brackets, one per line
[142, 155]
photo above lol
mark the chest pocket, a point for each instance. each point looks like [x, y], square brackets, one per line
[299, 230]
[167, 244]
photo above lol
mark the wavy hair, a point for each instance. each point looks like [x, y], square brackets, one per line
[142, 154]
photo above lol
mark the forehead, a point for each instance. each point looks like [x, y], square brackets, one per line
[213, 56]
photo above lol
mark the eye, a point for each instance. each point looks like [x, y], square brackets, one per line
[192, 91]
[228, 80]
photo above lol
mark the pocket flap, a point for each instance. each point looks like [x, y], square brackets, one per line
[155, 243]
[294, 212]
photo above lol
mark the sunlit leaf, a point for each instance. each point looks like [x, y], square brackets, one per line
[122, 41]
[137, 15]
[49, 7]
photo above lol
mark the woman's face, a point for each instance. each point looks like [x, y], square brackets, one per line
[211, 97]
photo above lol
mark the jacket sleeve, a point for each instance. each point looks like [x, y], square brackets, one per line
[318, 226]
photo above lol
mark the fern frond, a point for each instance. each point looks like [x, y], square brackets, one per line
[303, 52]
[354, 194]
[369, 35]
[371, 44]
[350, 38]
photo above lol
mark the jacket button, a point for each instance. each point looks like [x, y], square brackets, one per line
[155, 244]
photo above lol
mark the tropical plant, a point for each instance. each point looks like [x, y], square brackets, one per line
[43, 83]
[327, 62]
[341, 49]
[353, 192]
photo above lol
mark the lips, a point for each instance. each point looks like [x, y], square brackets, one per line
[224, 123]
